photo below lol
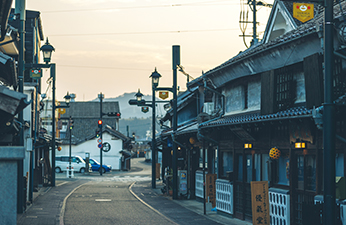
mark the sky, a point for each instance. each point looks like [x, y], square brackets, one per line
[113, 46]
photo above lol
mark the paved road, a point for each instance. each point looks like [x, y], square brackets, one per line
[108, 202]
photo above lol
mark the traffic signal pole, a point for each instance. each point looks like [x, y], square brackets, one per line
[100, 126]
[70, 149]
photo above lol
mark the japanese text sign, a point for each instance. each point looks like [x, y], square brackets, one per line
[211, 189]
[260, 202]
[303, 11]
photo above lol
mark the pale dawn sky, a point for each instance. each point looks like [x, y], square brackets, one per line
[112, 46]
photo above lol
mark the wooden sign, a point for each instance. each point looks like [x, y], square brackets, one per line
[303, 11]
[260, 202]
[211, 189]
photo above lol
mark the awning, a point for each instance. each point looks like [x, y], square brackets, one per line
[8, 73]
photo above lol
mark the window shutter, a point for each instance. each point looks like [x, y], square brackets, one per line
[267, 92]
[313, 80]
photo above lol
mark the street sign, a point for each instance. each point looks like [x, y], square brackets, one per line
[303, 11]
[99, 140]
[163, 94]
[99, 145]
[36, 73]
[145, 109]
[106, 147]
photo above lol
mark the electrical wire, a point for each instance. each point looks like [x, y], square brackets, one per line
[148, 32]
[206, 3]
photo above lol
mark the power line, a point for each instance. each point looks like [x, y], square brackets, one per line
[139, 33]
[207, 3]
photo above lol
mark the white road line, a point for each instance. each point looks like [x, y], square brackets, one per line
[62, 183]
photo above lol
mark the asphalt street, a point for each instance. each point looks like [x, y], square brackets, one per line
[118, 197]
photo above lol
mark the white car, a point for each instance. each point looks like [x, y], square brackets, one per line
[77, 162]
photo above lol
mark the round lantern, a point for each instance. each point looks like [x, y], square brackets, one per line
[274, 153]
[192, 140]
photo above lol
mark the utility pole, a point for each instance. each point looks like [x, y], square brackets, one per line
[254, 22]
[329, 119]
[20, 10]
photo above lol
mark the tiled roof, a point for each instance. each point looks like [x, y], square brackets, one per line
[305, 29]
[297, 112]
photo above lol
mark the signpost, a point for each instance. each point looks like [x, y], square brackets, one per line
[260, 202]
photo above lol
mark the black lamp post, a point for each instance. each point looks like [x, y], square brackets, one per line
[155, 77]
[47, 50]
[139, 102]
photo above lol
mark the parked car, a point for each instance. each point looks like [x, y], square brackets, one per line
[77, 162]
[95, 165]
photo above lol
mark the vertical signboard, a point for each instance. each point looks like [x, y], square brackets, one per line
[211, 189]
[260, 202]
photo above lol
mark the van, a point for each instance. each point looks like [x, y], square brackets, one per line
[77, 162]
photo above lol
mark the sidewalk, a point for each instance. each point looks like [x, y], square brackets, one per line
[191, 211]
[48, 203]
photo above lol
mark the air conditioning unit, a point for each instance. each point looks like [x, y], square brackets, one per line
[208, 107]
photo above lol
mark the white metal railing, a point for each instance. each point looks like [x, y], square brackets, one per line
[279, 201]
[224, 196]
[199, 183]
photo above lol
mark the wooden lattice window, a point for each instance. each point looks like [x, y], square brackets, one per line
[285, 88]
[339, 81]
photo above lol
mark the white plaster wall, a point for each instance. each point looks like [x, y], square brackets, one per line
[300, 87]
[109, 158]
[235, 98]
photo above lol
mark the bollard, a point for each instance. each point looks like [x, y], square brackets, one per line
[69, 173]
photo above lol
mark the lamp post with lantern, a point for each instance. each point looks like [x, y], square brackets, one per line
[47, 50]
[155, 76]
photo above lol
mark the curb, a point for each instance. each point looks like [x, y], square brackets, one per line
[146, 204]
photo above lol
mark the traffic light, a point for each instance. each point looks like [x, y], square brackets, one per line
[114, 114]
[100, 123]
[98, 133]
[71, 124]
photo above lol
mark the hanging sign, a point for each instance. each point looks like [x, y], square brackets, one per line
[36, 73]
[303, 11]
[260, 202]
[163, 94]
[62, 110]
[145, 109]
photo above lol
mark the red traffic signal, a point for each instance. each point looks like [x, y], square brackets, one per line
[100, 123]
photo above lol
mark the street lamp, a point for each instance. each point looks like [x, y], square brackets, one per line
[67, 98]
[155, 77]
[139, 96]
[47, 50]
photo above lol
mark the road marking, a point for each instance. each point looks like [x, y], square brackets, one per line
[103, 200]
[62, 183]
[32, 217]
